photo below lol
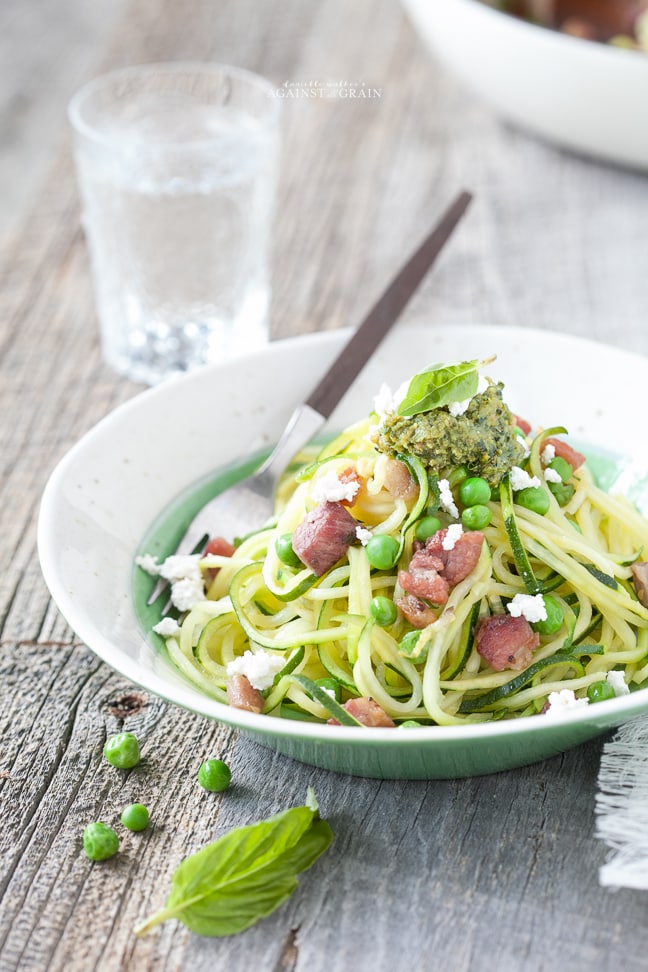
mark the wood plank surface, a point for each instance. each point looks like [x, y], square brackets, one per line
[498, 871]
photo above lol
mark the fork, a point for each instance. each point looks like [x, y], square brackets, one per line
[248, 504]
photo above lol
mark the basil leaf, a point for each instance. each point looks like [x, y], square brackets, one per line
[440, 385]
[245, 874]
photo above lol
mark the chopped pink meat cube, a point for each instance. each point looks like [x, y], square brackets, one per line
[506, 642]
[323, 536]
[241, 694]
[368, 712]
[640, 578]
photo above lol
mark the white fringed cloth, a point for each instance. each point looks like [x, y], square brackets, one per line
[622, 806]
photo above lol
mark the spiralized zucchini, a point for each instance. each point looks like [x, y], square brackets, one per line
[331, 646]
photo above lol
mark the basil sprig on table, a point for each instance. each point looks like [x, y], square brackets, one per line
[440, 385]
[245, 874]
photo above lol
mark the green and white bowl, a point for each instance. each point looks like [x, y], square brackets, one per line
[143, 471]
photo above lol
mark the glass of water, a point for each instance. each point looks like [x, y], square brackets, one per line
[177, 167]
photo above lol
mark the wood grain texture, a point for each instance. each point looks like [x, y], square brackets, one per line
[472, 874]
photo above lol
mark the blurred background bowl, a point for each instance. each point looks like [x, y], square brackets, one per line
[586, 96]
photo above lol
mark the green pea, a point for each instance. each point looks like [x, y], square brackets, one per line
[474, 491]
[410, 724]
[330, 685]
[135, 816]
[383, 611]
[563, 492]
[562, 467]
[382, 551]
[214, 775]
[533, 498]
[408, 642]
[122, 750]
[100, 842]
[285, 552]
[600, 691]
[427, 527]
[553, 621]
[476, 517]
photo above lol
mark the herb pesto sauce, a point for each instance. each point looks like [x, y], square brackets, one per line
[483, 439]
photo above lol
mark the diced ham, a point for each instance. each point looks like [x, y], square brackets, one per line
[506, 642]
[323, 536]
[368, 712]
[640, 578]
[351, 475]
[565, 451]
[241, 694]
[462, 559]
[221, 548]
[417, 612]
[398, 480]
[522, 424]
[432, 571]
[425, 580]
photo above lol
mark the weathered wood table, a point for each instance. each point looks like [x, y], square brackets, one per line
[496, 872]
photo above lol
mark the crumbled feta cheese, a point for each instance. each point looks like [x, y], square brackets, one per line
[446, 499]
[529, 606]
[386, 402]
[548, 454]
[328, 488]
[167, 627]
[618, 683]
[453, 533]
[363, 535]
[148, 563]
[186, 592]
[564, 701]
[552, 476]
[178, 567]
[521, 479]
[259, 667]
[329, 691]
[183, 573]
[458, 408]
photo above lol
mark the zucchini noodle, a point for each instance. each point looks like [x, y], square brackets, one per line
[349, 631]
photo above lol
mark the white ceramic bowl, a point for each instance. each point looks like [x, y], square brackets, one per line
[586, 96]
[142, 469]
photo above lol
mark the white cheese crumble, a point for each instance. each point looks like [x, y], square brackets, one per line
[529, 606]
[552, 476]
[453, 533]
[618, 683]
[446, 499]
[386, 401]
[520, 479]
[548, 454]
[329, 691]
[564, 701]
[182, 572]
[259, 668]
[167, 627]
[148, 563]
[329, 488]
[458, 408]
[363, 535]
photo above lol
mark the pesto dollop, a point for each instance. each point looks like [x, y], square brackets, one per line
[483, 438]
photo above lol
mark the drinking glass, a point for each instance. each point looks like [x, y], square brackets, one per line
[177, 167]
